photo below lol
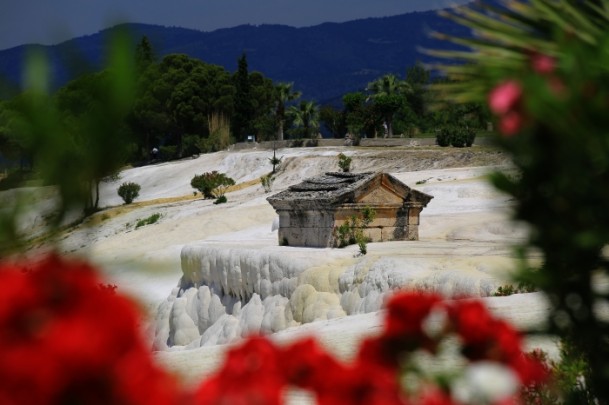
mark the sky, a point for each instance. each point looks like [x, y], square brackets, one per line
[52, 21]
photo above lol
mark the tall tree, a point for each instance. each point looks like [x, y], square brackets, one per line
[178, 95]
[418, 78]
[360, 118]
[263, 104]
[96, 132]
[242, 115]
[388, 93]
[283, 95]
[334, 120]
[305, 116]
[144, 55]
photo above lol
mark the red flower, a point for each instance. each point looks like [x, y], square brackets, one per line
[505, 97]
[307, 365]
[64, 340]
[362, 383]
[405, 314]
[251, 374]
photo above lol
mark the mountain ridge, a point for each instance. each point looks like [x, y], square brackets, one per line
[323, 61]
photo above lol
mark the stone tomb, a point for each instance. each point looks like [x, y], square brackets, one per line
[310, 212]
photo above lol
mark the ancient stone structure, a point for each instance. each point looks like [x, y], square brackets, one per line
[310, 212]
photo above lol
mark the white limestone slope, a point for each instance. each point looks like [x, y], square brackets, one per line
[210, 274]
[245, 283]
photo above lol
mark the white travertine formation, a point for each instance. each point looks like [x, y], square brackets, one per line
[227, 293]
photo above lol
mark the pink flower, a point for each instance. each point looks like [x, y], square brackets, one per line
[505, 97]
[511, 123]
[543, 64]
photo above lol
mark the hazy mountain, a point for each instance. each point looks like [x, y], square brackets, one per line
[323, 61]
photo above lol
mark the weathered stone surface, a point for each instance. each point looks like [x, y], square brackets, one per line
[310, 212]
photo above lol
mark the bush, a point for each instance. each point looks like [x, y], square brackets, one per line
[219, 134]
[267, 182]
[212, 184]
[443, 136]
[221, 200]
[344, 162]
[168, 152]
[462, 136]
[352, 231]
[148, 221]
[129, 192]
[457, 136]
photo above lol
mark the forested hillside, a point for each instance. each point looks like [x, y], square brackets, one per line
[324, 61]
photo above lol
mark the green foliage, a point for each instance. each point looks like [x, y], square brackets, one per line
[388, 94]
[544, 67]
[282, 96]
[344, 162]
[175, 98]
[457, 136]
[144, 54]
[275, 161]
[509, 289]
[148, 221]
[267, 182]
[73, 139]
[129, 192]
[243, 111]
[212, 184]
[219, 134]
[352, 230]
[221, 200]
[567, 379]
[168, 152]
[305, 117]
[444, 136]
[334, 120]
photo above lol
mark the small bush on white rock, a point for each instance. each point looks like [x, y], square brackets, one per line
[129, 192]
[212, 184]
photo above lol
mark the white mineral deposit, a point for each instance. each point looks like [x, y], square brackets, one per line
[209, 274]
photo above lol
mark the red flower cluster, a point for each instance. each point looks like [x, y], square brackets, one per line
[66, 338]
[257, 372]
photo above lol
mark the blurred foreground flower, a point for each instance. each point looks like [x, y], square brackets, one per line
[65, 338]
[496, 369]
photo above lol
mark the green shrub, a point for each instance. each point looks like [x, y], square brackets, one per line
[219, 134]
[457, 136]
[509, 289]
[148, 221]
[267, 182]
[275, 161]
[443, 136]
[344, 162]
[168, 152]
[129, 192]
[221, 200]
[212, 184]
[352, 231]
[462, 136]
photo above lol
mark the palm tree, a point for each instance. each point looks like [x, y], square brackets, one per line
[388, 93]
[283, 95]
[305, 115]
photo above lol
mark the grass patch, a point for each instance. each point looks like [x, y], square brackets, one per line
[148, 221]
